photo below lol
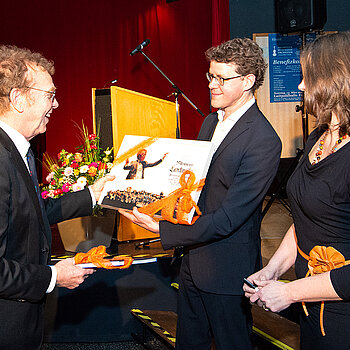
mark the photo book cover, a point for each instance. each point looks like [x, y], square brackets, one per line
[150, 169]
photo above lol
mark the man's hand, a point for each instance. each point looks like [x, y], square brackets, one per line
[98, 186]
[69, 275]
[140, 219]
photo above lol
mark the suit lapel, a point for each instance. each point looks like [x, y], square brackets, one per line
[207, 131]
[23, 171]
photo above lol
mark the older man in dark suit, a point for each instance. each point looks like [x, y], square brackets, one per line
[223, 245]
[27, 99]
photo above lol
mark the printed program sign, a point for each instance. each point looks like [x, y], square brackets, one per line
[284, 67]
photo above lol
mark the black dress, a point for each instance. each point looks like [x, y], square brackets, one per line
[320, 200]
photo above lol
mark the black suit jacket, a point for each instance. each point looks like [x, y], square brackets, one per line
[224, 243]
[25, 240]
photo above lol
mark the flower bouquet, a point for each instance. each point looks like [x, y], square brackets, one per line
[75, 171]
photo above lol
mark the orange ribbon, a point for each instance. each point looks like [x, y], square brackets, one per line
[321, 259]
[96, 256]
[179, 201]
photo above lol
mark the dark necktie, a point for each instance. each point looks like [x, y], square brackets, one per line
[34, 176]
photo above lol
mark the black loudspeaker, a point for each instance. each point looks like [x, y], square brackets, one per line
[300, 15]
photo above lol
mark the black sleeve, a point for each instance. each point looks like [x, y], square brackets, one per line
[340, 279]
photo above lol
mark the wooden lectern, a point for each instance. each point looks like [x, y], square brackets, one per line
[123, 112]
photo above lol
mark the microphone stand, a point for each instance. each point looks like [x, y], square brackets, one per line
[176, 93]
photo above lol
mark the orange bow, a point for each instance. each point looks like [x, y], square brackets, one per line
[96, 256]
[321, 259]
[179, 201]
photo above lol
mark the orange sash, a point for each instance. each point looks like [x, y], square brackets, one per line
[321, 259]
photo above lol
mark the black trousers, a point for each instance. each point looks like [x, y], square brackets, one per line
[336, 327]
[203, 317]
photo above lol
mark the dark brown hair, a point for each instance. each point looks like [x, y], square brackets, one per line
[14, 64]
[326, 72]
[245, 54]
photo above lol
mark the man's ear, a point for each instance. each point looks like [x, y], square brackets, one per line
[249, 80]
[17, 100]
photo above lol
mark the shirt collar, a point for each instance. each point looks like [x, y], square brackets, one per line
[237, 114]
[17, 138]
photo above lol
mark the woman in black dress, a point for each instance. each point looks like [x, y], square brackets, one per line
[318, 242]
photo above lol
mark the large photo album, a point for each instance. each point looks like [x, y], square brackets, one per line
[169, 173]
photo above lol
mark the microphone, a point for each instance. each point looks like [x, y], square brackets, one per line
[140, 47]
[110, 82]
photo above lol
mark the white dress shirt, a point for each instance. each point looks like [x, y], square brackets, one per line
[225, 125]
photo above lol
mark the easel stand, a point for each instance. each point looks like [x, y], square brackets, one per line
[282, 185]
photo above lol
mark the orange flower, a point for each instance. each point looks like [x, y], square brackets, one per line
[92, 171]
[78, 157]
[323, 259]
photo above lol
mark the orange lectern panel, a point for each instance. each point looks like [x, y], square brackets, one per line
[123, 112]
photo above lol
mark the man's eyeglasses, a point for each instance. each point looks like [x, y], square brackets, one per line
[52, 93]
[219, 80]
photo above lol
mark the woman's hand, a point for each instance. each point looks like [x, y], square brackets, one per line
[272, 295]
[264, 274]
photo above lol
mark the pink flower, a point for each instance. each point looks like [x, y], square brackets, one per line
[44, 194]
[66, 187]
[93, 164]
[77, 187]
[68, 171]
[50, 177]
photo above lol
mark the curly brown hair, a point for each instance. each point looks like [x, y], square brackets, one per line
[326, 72]
[14, 64]
[245, 54]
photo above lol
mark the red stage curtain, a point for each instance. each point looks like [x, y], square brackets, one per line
[90, 41]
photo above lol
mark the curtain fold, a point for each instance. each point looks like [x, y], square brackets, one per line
[221, 21]
[90, 42]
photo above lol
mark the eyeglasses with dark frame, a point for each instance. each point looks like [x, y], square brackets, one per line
[220, 80]
[52, 93]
